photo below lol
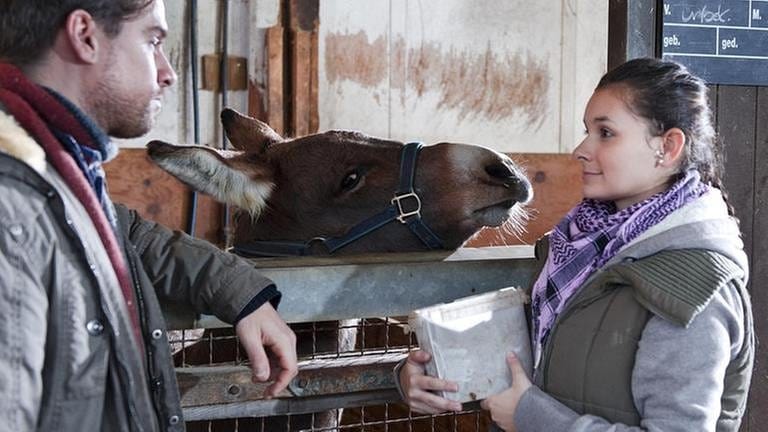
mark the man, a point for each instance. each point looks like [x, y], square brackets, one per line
[82, 335]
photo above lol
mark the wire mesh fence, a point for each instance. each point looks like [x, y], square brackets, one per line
[363, 339]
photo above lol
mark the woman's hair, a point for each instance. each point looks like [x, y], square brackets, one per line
[28, 28]
[668, 96]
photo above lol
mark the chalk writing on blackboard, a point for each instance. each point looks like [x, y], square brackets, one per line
[724, 42]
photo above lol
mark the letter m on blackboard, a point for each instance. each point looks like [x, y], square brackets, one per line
[756, 15]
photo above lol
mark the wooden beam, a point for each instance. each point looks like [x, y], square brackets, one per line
[275, 79]
[633, 29]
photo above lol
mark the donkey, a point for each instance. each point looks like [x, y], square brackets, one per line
[344, 192]
[314, 189]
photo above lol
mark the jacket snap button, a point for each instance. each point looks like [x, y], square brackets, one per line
[157, 333]
[94, 327]
[173, 420]
[16, 230]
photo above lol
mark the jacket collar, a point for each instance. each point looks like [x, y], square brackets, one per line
[16, 142]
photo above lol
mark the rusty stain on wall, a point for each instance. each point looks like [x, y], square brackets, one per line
[494, 86]
[352, 57]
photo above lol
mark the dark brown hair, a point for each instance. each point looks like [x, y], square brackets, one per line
[667, 96]
[29, 27]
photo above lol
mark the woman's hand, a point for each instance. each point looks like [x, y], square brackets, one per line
[503, 405]
[417, 386]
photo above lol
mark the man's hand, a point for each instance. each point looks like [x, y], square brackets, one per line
[264, 328]
[503, 405]
[418, 387]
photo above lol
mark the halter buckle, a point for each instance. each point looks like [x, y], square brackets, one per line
[402, 214]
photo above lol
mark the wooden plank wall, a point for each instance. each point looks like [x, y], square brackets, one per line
[742, 122]
[135, 181]
[758, 414]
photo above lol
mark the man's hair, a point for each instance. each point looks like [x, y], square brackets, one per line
[28, 28]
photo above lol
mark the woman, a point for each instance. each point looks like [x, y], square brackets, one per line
[641, 318]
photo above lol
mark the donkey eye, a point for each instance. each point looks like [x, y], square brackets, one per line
[350, 180]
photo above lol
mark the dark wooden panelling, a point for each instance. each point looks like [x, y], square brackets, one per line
[631, 30]
[556, 180]
[742, 119]
[139, 184]
[737, 120]
[758, 403]
[736, 126]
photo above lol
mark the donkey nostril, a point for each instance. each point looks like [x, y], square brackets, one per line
[499, 171]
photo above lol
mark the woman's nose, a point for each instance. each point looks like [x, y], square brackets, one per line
[580, 153]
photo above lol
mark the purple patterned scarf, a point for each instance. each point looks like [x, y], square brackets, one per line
[588, 237]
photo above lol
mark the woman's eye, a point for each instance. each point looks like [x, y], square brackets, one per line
[605, 133]
[350, 181]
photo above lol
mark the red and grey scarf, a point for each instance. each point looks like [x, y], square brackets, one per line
[46, 117]
[588, 237]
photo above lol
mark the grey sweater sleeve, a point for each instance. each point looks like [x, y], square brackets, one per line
[677, 380]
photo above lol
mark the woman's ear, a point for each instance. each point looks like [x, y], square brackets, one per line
[672, 146]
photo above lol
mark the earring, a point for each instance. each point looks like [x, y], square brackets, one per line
[659, 157]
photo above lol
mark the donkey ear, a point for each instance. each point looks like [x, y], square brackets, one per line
[246, 133]
[227, 176]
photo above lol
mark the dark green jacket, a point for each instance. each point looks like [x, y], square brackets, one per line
[70, 361]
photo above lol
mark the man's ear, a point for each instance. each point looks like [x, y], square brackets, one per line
[673, 144]
[82, 35]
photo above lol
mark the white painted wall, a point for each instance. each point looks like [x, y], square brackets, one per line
[415, 69]
[248, 20]
[512, 75]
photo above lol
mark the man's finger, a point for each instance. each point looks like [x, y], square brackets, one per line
[259, 361]
[286, 354]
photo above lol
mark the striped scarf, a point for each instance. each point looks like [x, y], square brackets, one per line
[588, 237]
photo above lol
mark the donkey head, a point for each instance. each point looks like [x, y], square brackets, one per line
[325, 184]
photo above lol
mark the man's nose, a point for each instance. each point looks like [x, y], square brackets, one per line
[166, 76]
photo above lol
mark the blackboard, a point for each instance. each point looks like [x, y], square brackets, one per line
[724, 42]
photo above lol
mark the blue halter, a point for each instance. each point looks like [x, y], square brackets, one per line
[405, 207]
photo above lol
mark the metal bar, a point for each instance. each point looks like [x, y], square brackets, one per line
[227, 391]
[317, 289]
[224, 85]
[193, 42]
[272, 407]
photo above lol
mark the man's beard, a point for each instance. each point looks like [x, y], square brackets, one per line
[119, 115]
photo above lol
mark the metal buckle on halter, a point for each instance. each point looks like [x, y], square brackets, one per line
[402, 214]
